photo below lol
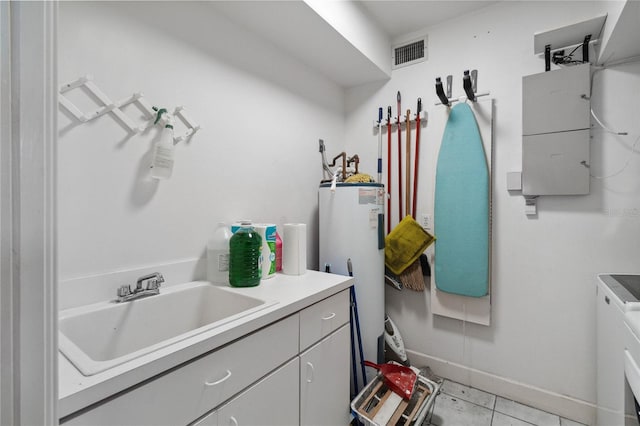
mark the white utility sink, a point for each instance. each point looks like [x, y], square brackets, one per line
[100, 336]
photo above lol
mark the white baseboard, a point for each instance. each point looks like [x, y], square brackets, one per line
[561, 405]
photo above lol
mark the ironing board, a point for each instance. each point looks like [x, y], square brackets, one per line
[461, 208]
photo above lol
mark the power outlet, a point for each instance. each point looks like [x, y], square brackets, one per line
[426, 221]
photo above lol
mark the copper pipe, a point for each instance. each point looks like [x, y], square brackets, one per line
[344, 164]
[355, 159]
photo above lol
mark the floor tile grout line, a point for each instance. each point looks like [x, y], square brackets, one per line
[528, 406]
[515, 418]
[470, 402]
[526, 421]
[493, 410]
[495, 402]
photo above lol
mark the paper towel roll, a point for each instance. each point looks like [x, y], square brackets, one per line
[294, 249]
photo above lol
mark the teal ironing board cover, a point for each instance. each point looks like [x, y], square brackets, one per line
[461, 208]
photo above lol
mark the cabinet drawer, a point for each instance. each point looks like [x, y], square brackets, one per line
[273, 401]
[182, 395]
[321, 319]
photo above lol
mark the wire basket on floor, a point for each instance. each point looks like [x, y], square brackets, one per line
[377, 405]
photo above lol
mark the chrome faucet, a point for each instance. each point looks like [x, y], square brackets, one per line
[154, 281]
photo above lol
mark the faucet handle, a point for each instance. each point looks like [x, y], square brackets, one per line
[124, 290]
[154, 284]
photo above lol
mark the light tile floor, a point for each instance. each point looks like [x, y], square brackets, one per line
[459, 405]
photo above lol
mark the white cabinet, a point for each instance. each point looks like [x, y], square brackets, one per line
[254, 380]
[555, 129]
[324, 381]
[184, 394]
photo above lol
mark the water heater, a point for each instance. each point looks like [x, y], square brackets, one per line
[352, 227]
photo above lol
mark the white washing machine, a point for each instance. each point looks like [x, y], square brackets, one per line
[632, 366]
[617, 296]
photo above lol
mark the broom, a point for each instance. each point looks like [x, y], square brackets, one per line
[403, 248]
[412, 277]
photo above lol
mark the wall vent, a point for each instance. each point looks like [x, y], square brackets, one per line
[409, 53]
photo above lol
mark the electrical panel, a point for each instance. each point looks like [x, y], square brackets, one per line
[555, 126]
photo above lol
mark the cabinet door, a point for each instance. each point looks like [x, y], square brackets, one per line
[556, 101]
[553, 163]
[324, 381]
[273, 401]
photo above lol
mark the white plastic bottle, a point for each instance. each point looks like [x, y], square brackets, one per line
[218, 255]
[162, 161]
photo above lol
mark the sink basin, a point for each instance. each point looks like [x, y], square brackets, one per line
[100, 336]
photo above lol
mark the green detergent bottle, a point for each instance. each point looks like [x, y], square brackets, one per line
[245, 247]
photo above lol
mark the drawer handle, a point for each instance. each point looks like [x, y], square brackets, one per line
[309, 372]
[217, 382]
[328, 317]
[233, 421]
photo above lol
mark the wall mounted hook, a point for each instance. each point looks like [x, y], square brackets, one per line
[467, 84]
[440, 92]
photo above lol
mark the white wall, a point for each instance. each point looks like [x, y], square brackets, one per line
[543, 281]
[257, 156]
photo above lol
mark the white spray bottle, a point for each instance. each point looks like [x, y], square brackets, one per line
[162, 161]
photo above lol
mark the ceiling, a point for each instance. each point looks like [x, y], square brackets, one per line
[298, 29]
[400, 17]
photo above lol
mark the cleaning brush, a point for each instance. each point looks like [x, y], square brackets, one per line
[412, 277]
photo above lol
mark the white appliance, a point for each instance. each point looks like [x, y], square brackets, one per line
[617, 295]
[352, 227]
[632, 367]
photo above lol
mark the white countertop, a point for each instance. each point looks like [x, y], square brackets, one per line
[292, 294]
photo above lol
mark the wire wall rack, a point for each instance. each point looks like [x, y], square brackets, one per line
[115, 108]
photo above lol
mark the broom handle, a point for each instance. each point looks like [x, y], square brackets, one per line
[407, 196]
[399, 160]
[388, 169]
[417, 160]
